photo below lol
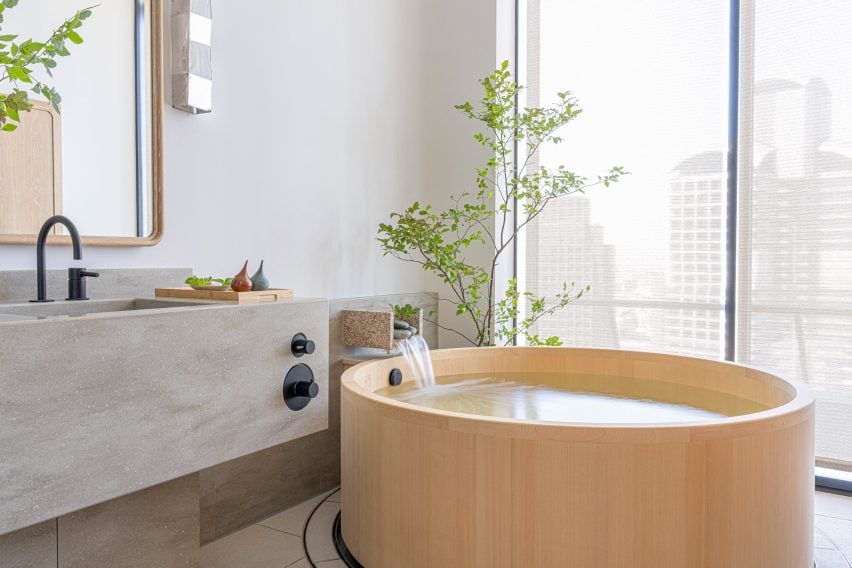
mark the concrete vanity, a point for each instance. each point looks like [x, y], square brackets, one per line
[101, 399]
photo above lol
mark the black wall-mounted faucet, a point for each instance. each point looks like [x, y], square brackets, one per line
[76, 276]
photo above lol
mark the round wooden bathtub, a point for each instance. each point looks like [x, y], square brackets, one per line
[436, 489]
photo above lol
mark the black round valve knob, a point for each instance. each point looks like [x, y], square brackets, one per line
[301, 345]
[299, 387]
[305, 388]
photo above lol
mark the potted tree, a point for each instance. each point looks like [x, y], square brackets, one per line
[437, 239]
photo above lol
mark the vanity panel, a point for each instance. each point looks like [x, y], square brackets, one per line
[96, 407]
[32, 547]
[153, 528]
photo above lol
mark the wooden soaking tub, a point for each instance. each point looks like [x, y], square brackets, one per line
[436, 489]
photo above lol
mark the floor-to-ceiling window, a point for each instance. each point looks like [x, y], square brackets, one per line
[654, 79]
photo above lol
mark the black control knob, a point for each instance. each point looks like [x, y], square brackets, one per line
[301, 345]
[299, 387]
[305, 388]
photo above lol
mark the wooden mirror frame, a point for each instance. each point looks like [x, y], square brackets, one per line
[156, 152]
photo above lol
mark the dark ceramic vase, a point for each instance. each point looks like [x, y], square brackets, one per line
[242, 282]
[259, 281]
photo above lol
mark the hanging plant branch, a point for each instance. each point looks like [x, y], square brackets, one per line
[439, 240]
[19, 59]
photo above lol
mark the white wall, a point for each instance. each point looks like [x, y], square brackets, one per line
[482, 33]
[328, 115]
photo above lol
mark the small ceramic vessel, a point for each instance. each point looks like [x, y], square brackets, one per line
[242, 282]
[259, 280]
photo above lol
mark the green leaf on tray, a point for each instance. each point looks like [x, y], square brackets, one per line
[199, 280]
[207, 281]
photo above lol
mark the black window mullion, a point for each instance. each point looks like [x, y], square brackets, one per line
[732, 193]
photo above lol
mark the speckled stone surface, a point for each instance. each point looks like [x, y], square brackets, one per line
[153, 528]
[242, 491]
[20, 285]
[368, 328]
[374, 328]
[97, 407]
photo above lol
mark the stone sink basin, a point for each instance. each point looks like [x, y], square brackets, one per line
[29, 310]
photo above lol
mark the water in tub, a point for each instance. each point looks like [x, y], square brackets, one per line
[562, 397]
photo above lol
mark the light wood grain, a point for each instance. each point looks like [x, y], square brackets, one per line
[31, 172]
[156, 153]
[349, 362]
[426, 488]
[271, 295]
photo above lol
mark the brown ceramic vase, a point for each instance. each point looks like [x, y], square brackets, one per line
[242, 282]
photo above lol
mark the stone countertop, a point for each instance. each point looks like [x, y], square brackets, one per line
[6, 318]
[77, 310]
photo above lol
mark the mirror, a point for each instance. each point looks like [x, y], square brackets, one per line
[98, 161]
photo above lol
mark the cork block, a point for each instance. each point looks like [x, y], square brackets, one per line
[374, 328]
[368, 328]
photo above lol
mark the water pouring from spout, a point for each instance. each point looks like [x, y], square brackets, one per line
[416, 354]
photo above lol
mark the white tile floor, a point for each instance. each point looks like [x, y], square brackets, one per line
[833, 534]
[287, 540]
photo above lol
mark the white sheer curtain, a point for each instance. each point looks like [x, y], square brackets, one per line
[652, 79]
[795, 246]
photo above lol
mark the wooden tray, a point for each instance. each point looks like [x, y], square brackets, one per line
[271, 295]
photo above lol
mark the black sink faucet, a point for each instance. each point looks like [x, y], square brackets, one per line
[76, 276]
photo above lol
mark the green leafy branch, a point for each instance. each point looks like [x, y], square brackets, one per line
[404, 312]
[18, 61]
[507, 312]
[439, 241]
